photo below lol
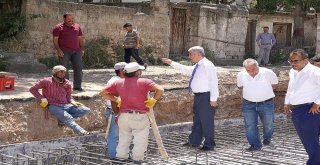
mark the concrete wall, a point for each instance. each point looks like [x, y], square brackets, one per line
[310, 26]
[268, 20]
[96, 21]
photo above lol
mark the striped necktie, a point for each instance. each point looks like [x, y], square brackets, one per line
[193, 73]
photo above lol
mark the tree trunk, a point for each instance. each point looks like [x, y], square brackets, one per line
[298, 28]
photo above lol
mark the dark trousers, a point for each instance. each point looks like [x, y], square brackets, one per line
[308, 129]
[76, 61]
[203, 121]
[128, 52]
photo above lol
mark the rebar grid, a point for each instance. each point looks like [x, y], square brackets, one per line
[231, 142]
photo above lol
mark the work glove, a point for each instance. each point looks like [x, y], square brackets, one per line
[150, 102]
[75, 103]
[44, 102]
[118, 101]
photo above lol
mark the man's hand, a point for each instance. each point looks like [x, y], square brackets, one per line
[286, 109]
[213, 103]
[166, 61]
[82, 53]
[118, 101]
[150, 102]
[44, 102]
[75, 103]
[137, 46]
[314, 109]
[60, 53]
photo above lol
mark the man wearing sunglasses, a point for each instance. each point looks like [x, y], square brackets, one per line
[303, 101]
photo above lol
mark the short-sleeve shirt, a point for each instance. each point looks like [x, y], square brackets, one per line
[133, 92]
[68, 36]
[130, 39]
[258, 88]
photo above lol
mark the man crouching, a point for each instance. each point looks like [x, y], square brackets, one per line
[56, 96]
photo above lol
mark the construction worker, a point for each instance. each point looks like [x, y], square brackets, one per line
[133, 120]
[112, 111]
[56, 96]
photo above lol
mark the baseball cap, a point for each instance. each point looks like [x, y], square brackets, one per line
[119, 65]
[127, 25]
[315, 59]
[58, 68]
[132, 67]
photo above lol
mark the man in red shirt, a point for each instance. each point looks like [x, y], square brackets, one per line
[68, 41]
[133, 120]
[56, 96]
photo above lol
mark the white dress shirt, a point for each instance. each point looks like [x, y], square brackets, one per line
[205, 78]
[112, 80]
[304, 86]
[258, 88]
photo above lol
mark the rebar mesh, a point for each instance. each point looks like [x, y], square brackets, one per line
[231, 142]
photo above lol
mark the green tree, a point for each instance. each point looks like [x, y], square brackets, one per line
[298, 8]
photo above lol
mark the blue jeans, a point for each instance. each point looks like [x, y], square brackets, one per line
[112, 139]
[77, 65]
[307, 126]
[66, 114]
[251, 112]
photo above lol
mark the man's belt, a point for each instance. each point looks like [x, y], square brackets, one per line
[300, 105]
[200, 93]
[266, 44]
[261, 102]
[135, 112]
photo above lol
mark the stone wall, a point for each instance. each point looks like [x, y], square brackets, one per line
[96, 21]
[222, 28]
[318, 35]
[217, 29]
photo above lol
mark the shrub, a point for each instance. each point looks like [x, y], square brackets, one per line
[278, 57]
[95, 54]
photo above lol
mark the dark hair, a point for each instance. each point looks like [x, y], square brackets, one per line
[315, 58]
[66, 14]
[132, 74]
[117, 72]
[302, 52]
[127, 25]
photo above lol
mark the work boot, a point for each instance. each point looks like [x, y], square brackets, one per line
[266, 142]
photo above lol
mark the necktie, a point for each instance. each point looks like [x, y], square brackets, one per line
[193, 72]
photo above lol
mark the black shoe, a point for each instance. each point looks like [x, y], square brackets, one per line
[187, 144]
[78, 89]
[266, 142]
[206, 149]
[252, 148]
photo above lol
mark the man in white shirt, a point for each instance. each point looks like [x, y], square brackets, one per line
[112, 111]
[257, 90]
[303, 101]
[204, 84]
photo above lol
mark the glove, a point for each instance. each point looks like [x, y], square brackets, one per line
[118, 102]
[150, 102]
[44, 102]
[75, 103]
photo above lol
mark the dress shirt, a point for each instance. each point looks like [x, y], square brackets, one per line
[205, 79]
[258, 88]
[304, 86]
[266, 39]
[112, 80]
